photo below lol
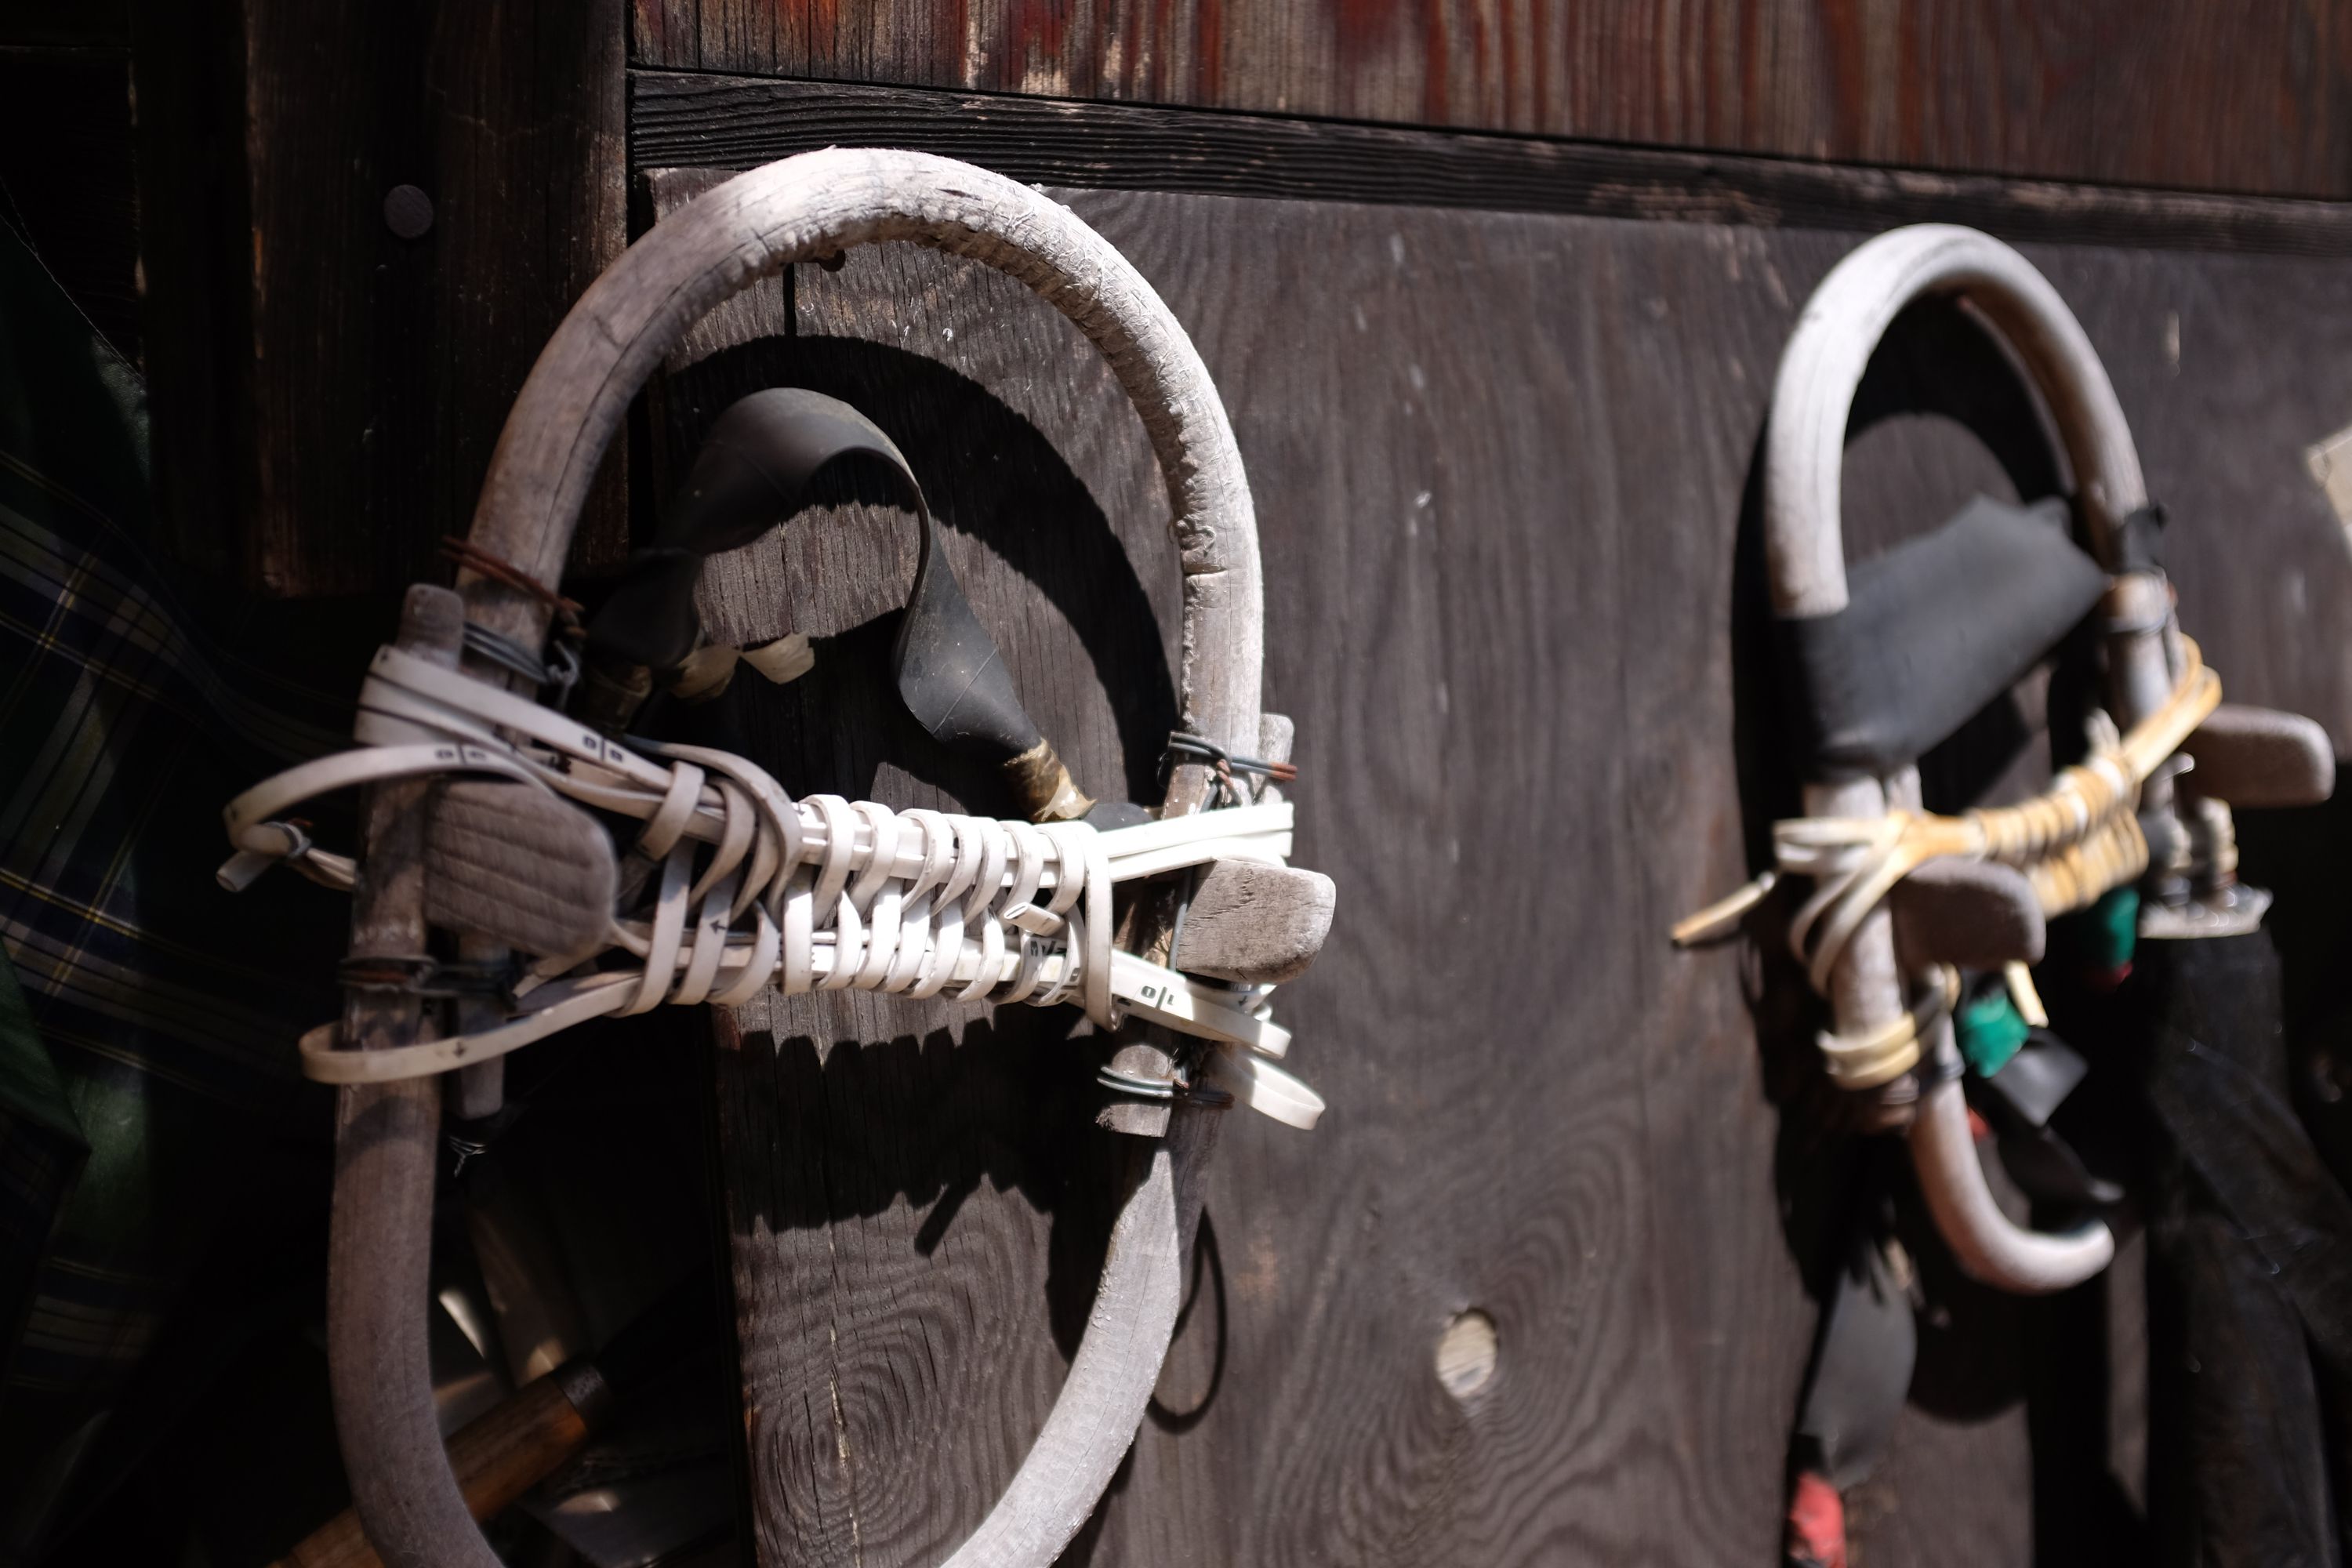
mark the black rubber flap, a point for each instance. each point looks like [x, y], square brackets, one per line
[754, 469]
[1861, 1370]
[1933, 631]
[949, 673]
[2032, 1083]
[2019, 1101]
[650, 619]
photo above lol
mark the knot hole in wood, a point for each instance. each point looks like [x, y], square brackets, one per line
[1465, 1354]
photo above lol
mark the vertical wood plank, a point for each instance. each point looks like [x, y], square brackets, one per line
[380, 367]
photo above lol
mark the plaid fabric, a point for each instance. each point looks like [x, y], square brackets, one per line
[41, 1153]
[165, 1009]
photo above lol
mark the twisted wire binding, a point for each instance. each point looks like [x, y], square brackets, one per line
[1224, 764]
[751, 887]
[559, 670]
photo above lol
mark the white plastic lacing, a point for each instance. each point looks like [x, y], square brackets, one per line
[754, 888]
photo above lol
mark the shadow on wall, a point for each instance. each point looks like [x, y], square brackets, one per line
[850, 1107]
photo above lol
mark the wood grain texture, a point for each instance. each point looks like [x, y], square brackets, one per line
[947, 1373]
[379, 369]
[518, 867]
[734, 121]
[1253, 923]
[2170, 93]
[1503, 462]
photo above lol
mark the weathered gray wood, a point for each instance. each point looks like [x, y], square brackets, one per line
[804, 1290]
[1095, 1416]
[1974, 913]
[735, 121]
[1254, 923]
[2257, 757]
[2145, 92]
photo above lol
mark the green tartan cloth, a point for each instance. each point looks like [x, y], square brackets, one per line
[41, 1154]
[152, 1118]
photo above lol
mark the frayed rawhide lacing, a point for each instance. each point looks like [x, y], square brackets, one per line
[750, 888]
[2073, 842]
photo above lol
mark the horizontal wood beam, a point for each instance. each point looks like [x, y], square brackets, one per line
[2176, 93]
[688, 120]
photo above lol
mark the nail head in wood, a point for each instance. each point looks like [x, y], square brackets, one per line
[408, 212]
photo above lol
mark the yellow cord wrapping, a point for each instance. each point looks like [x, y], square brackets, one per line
[1867, 1060]
[2073, 842]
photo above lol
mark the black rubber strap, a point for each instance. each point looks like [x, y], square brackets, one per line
[1867, 1347]
[755, 469]
[1934, 630]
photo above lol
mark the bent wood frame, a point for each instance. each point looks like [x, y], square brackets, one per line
[1803, 460]
[804, 207]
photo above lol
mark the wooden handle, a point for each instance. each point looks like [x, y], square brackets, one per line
[497, 1457]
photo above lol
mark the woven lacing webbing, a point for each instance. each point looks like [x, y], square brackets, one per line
[822, 894]
[2074, 842]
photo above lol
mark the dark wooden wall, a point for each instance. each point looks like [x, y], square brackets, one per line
[1499, 397]
[327, 389]
[1504, 462]
[269, 134]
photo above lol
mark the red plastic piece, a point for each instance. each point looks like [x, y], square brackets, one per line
[1816, 1537]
